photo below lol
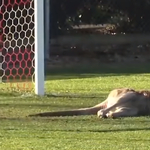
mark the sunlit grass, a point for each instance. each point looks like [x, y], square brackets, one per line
[70, 90]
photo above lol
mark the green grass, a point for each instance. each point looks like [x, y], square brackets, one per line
[74, 89]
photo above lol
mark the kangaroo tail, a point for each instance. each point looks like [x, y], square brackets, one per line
[76, 112]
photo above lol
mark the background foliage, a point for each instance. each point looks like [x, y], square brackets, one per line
[129, 16]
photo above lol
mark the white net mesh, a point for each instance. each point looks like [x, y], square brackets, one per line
[17, 43]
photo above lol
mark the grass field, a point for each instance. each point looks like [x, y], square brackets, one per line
[74, 88]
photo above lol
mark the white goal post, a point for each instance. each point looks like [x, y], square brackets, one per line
[39, 46]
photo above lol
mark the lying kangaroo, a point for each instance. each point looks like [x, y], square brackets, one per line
[122, 102]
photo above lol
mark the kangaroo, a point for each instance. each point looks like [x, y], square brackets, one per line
[123, 102]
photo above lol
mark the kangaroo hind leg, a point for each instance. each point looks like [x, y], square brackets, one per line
[123, 112]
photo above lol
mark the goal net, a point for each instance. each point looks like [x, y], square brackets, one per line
[19, 44]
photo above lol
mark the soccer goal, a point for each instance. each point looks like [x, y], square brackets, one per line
[22, 45]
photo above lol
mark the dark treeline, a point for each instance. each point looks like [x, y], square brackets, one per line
[128, 16]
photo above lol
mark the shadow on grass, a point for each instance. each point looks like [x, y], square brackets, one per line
[87, 71]
[79, 131]
[105, 131]
[83, 96]
[121, 130]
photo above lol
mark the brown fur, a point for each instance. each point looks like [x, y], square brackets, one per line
[145, 93]
[123, 102]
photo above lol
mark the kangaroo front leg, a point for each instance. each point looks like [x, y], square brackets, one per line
[123, 112]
